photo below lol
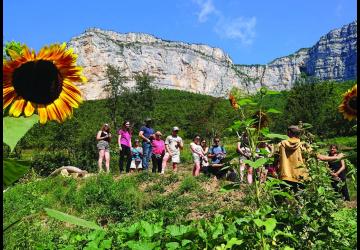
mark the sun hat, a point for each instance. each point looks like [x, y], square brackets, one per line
[147, 119]
[176, 128]
[158, 133]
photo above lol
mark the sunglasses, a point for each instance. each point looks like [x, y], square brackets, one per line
[217, 141]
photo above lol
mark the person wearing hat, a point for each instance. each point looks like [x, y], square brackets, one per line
[158, 152]
[146, 134]
[291, 162]
[173, 145]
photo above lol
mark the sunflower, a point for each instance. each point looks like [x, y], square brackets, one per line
[42, 82]
[349, 104]
[233, 101]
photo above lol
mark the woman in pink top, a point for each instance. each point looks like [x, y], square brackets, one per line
[124, 141]
[158, 152]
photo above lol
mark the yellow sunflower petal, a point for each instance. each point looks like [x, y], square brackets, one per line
[42, 113]
[13, 54]
[68, 99]
[8, 96]
[64, 110]
[17, 107]
[52, 112]
[29, 109]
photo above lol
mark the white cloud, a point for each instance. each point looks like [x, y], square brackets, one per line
[206, 8]
[238, 28]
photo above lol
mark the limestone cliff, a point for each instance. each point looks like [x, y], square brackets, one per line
[207, 70]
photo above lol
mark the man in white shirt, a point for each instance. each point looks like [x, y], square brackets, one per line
[173, 145]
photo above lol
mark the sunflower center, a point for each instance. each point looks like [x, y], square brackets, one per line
[353, 103]
[38, 81]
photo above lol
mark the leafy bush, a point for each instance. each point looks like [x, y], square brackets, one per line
[46, 162]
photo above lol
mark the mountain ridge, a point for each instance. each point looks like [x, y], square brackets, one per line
[209, 70]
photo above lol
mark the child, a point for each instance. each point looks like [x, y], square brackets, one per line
[197, 153]
[136, 159]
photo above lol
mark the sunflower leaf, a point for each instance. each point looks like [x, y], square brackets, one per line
[16, 128]
[71, 219]
[14, 170]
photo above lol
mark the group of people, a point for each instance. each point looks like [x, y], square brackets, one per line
[137, 157]
[288, 162]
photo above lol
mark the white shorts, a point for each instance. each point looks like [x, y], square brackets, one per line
[174, 158]
[196, 158]
[135, 165]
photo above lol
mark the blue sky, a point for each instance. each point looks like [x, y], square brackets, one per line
[250, 32]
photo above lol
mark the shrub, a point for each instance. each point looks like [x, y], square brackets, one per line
[46, 162]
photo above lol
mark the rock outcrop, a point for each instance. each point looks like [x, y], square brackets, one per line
[203, 69]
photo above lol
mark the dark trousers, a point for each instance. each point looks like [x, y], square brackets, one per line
[157, 163]
[220, 174]
[125, 152]
[342, 190]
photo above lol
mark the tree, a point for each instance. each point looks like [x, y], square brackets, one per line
[140, 100]
[115, 87]
[315, 102]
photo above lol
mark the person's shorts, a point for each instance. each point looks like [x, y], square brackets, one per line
[175, 158]
[103, 145]
[135, 165]
[196, 158]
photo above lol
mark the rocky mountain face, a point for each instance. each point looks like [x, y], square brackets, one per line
[207, 70]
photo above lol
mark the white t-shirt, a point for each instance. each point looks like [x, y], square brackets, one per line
[197, 148]
[173, 143]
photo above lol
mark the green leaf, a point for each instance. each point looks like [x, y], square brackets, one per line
[132, 230]
[277, 136]
[13, 170]
[256, 164]
[185, 242]
[218, 231]
[272, 110]
[321, 190]
[269, 224]
[15, 128]
[288, 248]
[233, 241]
[245, 101]
[175, 230]
[272, 92]
[172, 245]
[106, 244]
[147, 230]
[71, 219]
[140, 245]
